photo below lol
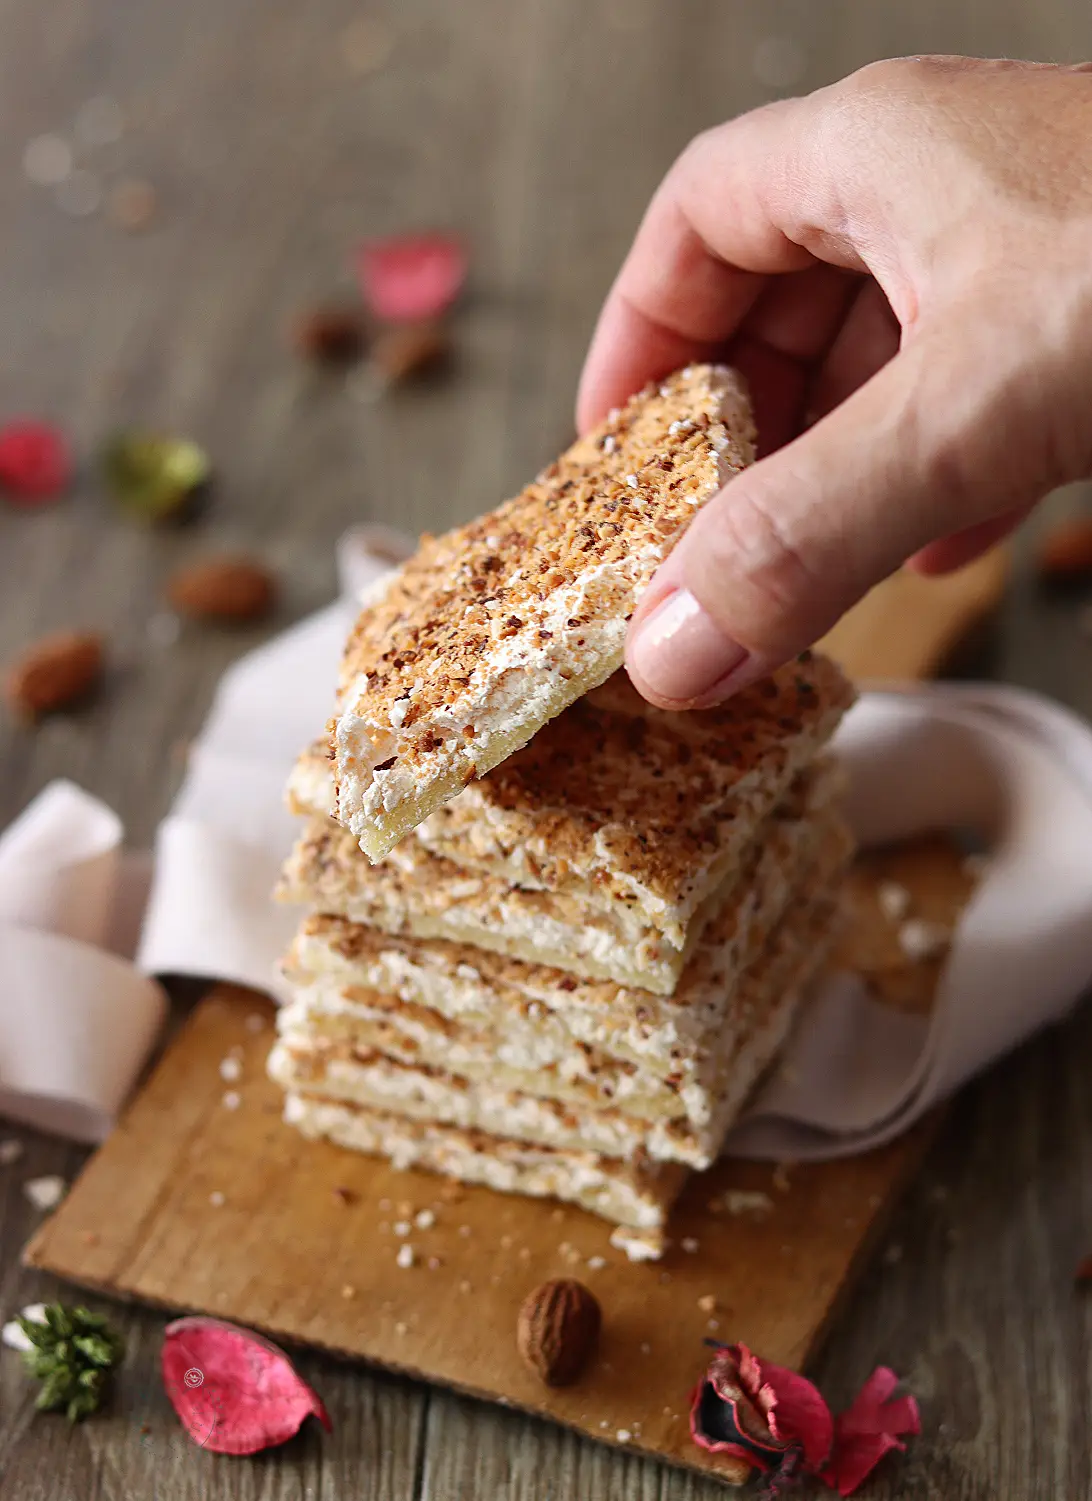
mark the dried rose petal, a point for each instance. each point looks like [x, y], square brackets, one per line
[234, 1392]
[34, 462]
[763, 1414]
[794, 1408]
[867, 1431]
[411, 278]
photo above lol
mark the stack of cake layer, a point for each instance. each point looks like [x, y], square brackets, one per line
[566, 979]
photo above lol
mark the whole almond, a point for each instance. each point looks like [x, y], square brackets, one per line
[557, 1330]
[52, 673]
[331, 335]
[229, 589]
[1065, 553]
[411, 350]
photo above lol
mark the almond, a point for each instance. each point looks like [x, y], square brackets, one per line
[1065, 553]
[331, 335]
[225, 588]
[411, 350]
[557, 1330]
[53, 673]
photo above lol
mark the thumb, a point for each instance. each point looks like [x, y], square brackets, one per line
[927, 447]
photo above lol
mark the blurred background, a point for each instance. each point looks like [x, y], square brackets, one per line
[180, 185]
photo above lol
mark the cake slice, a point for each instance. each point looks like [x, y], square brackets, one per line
[492, 630]
[618, 804]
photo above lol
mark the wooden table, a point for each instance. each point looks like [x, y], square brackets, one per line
[538, 128]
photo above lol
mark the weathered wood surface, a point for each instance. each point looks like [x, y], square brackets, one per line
[538, 127]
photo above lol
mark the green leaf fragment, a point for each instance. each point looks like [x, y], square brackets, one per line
[153, 476]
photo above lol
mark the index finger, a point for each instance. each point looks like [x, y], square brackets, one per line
[740, 203]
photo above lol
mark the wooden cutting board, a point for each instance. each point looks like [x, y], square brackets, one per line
[194, 1205]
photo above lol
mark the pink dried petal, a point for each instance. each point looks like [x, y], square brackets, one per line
[234, 1392]
[867, 1431]
[411, 278]
[794, 1408]
[34, 461]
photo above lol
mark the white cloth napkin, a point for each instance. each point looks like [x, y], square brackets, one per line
[1007, 765]
[76, 1019]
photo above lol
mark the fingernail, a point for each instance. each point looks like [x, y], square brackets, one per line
[681, 652]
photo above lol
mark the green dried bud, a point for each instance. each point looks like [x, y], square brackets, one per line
[73, 1351]
[154, 477]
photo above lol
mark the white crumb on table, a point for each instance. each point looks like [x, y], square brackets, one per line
[216, 1198]
[424, 1219]
[230, 1069]
[406, 1256]
[45, 1193]
[231, 1099]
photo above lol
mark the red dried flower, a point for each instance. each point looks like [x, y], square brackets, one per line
[776, 1421]
[234, 1392]
[868, 1430]
[34, 462]
[411, 278]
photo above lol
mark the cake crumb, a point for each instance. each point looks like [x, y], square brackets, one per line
[465, 1286]
[646, 1348]
[464, 1231]
[434, 1263]
[690, 1244]
[406, 1256]
[894, 900]
[506, 1242]
[405, 1209]
[231, 1099]
[348, 1291]
[10, 1151]
[780, 1179]
[712, 1325]
[402, 1227]
[45, 1193]
[921, 940]
[623, 1435]
[384, 1204]
[230, 1069]
[400, 1328]
[424, 1219]
[707, 1303]
[451, 1193]
[255, 1022]
[596, 1263]
[216, 1198]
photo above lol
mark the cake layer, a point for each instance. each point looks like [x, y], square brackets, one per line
[625, 806]
[637, 1114]
[434, 1018]
[639, 1195]
[492, 630]
[417, 893]
[358, 968]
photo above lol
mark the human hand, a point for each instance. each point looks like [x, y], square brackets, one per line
[902, 266]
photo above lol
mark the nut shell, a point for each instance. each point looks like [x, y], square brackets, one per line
[235, 590]
[1065, 553]
[558, 1329]
[53, 672]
